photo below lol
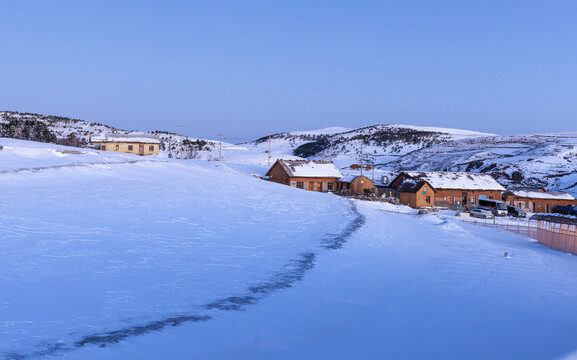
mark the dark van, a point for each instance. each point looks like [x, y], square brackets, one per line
[515, 211]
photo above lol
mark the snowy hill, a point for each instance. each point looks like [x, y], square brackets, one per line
[381, 143]
[115, 256]
[75, 132]
[548, 161]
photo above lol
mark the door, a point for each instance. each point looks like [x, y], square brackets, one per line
[311, 185]
[140, 149]
[465, 198]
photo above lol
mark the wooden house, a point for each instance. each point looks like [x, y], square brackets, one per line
[310, 175]
[354, 185]
[128, 143]
[446, 189]
[537, 200]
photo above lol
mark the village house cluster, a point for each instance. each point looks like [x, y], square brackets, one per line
[417, 189]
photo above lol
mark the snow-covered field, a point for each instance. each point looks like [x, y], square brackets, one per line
[103, 254]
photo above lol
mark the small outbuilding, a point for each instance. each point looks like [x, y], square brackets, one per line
[537, 200]
[354, 185]
[312, 175]
[128, 143]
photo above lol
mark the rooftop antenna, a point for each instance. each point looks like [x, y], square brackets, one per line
[220, 136]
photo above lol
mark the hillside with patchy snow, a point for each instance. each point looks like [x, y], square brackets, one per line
[380, 143]
[548, 161]
[75, 132]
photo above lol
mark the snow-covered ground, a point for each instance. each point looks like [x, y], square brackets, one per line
[103, 254]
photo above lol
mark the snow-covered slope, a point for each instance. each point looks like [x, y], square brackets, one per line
[98, 242]
[548, 161]
[116, 256]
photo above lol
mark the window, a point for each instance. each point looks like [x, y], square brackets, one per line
[102, 147]
[300, 185]
[330, 186]
[490, 197]
[130, 147]
[151, 148]
[540, 205]
[451, 200]
[116, 147]
[473, 200]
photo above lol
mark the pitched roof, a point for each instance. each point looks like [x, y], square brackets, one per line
[544, 195]
[456, 180]
[126, 138]
[352, 178]
[309, 168]
[411, 185]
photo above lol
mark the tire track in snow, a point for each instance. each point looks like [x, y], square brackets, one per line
[294, 271]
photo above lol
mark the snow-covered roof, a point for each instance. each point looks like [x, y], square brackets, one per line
[532, 194]
[410, 185]
[457, 180]
[310, 168]
[350, 178]
[126, 138]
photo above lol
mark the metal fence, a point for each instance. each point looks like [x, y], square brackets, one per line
[554, 239]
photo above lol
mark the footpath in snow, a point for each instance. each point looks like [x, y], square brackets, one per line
[401, 287]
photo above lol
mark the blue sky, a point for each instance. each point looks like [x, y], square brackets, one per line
[246, 68]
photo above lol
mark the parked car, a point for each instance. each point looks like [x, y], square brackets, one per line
[481, 213]
[567, 210]
[515, 211]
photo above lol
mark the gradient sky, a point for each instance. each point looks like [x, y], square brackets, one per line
[246, 68]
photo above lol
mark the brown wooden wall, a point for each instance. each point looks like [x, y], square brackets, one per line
[443, 197]
[537, 205]
[418, 199]
[277, 174]
[357, 187]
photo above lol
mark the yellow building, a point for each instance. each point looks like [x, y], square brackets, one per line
[128, 143]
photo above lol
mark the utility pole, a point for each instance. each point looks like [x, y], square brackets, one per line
[331, 149]
[361, 159]
[373, 170]
[269, 149]
[220, 136]
[181, 140]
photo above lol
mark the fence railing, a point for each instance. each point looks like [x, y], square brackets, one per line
[553, 239]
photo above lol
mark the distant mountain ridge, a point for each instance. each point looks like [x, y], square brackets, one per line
[381, 143]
